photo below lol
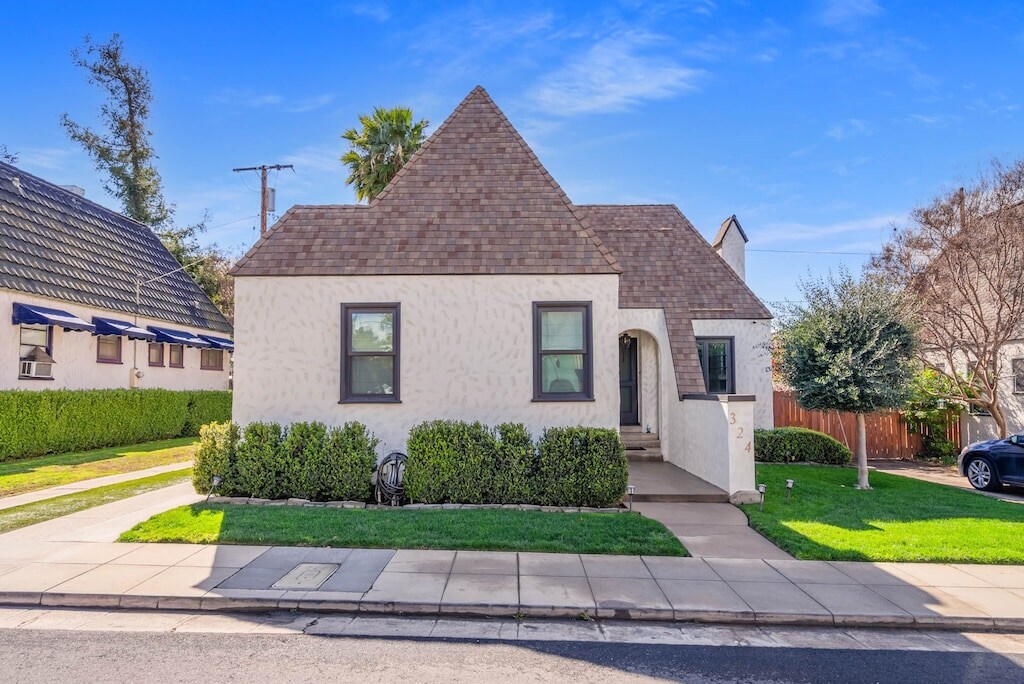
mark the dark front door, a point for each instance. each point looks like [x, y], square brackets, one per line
[629, 396]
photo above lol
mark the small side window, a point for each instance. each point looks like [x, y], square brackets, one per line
[176, 354]
[156, 354]
[108, 349]
[1017, 365]
[211, 359]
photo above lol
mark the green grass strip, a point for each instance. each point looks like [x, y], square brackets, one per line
[900, 519]
[41, 511]
[475, 529]
[32, 474]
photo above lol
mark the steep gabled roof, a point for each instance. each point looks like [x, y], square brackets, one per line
[668, 265]
[473, 199]
[724, 228]
[55, 243]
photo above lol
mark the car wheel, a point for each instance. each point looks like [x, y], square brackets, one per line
[982, 475]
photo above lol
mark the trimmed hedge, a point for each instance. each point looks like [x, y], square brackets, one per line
[304, 460]
[790, 444]
[58, 421]
[459, 462]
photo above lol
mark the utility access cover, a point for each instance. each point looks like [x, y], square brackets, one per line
[308, 576]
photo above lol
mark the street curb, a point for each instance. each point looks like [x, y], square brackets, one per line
[255, 604]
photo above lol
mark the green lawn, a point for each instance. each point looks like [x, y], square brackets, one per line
[479, 529]
[28, 475]
[41, 511]
[900, 519]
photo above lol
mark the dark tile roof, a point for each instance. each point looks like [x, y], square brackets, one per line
[667, 264]
[56, 244]
[473, 199]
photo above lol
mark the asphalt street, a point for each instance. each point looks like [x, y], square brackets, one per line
[74, 656]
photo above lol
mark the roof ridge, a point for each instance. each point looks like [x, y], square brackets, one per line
[19, 172]
[426, 144]
[588, 230]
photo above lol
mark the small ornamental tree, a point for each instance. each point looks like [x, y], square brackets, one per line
[848, 348]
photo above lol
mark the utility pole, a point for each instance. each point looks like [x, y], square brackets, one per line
[263, 187]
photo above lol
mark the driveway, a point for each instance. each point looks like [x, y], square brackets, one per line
[944, 475]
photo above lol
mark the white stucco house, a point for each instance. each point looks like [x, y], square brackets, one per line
[978, 426]
[472, 288]
[95, 301]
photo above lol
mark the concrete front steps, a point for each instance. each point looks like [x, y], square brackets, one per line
[640, 446]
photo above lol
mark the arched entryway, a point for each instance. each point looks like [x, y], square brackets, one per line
[639, 381]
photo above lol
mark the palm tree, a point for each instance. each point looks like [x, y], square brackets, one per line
[376, 153]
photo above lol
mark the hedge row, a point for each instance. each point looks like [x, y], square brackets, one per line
[304, 460]
[789, 444]
[459, 462]
[56, 421]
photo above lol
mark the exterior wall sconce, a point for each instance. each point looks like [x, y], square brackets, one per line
[625, 340]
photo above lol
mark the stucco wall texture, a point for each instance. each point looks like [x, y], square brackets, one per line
[466, 350]
[75, 354]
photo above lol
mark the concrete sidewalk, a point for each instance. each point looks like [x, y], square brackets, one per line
[84, 485]
[196, 577]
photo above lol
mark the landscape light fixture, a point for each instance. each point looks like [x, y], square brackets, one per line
[940, 404]
[789, 489]
[214, 482]
[631, 490]
[761, 489]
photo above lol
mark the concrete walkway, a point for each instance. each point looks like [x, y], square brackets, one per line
[944, 475]
[84, 485]
[715, 530]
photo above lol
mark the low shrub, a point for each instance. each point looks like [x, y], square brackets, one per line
[581, 466]
[792, 444]
[458, 462]
[33, 423]
[451, 461]
[304, 460]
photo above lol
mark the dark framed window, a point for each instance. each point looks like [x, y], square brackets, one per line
[156, 354]
[33, 336]
[370, 352]
[1017, 366]
[716, 362]
[108, 349]
[563, 368]
[176, 355]
[211, 359]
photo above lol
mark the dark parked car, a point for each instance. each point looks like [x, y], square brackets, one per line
[989, 465]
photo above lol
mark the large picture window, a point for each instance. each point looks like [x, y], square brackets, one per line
[562, 363]
[370, 352]
[716, 362]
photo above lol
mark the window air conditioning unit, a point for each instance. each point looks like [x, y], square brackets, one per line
[36, 369]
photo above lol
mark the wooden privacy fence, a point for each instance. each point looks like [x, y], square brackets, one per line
[889, 436]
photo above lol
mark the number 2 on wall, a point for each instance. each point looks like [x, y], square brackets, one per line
[739, 432]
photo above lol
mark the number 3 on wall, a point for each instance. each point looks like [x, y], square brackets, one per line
[732, 419]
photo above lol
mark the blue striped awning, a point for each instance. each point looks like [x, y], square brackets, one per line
[30, 314]
[178, 337]
[110, 326]
[219, 342]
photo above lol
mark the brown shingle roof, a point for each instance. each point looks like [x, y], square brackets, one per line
[668, 265]
[473, 199]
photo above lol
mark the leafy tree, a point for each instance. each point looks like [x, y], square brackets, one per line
[928, 411]
[387, 139]
[849, 348]
[8, 157]
[960, 259]
[123, 152]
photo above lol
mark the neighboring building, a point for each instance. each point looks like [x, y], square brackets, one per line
[977, 426]
[472, 288]
[68, 275]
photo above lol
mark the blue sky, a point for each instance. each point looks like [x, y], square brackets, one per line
[818, 123]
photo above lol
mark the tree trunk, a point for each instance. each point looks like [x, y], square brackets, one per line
[862, 452]
[1000, 419]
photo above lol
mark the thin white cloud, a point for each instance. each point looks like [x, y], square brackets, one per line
[309, 104]
[371, 10]
[848, 13]
[241, 98]
[848, 129]
[792, 231]
[614, 74]
[45, 158]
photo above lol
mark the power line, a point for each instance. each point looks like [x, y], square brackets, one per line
[263, 168]
[807, 251]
